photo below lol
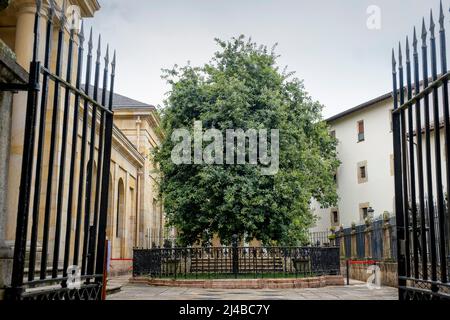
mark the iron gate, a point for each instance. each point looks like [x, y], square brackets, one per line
[61, 220]
[421, 130]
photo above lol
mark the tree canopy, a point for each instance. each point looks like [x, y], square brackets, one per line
[243, 87]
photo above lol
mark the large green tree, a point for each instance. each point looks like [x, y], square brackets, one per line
[242, 87]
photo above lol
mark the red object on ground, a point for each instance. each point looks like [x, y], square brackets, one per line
[363, 262]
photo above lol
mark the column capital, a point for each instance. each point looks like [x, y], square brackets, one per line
[24, 6]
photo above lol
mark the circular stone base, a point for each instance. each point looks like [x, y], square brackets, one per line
[314, 282]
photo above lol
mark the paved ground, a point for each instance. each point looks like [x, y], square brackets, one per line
[356, 291]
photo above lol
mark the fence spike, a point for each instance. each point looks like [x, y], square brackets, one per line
[81, 34]
[441, 16]
[394, 63]
[407, 50]
[415, 41]
[107, 56]
[113, 64]
[99, 48]
[90, 41]
[424, 33]
[432, 25]
[400, 57]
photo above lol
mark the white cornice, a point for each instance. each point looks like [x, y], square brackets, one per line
[126, 148]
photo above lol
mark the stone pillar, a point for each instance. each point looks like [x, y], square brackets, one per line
[368, 241]
[341, 239]
[354, 252]
[387, 229]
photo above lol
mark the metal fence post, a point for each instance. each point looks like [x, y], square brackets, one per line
[235, 255]
[347, 271]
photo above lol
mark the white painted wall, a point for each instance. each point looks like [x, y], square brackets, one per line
[376, 149]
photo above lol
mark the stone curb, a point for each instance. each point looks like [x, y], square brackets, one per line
[315, 282]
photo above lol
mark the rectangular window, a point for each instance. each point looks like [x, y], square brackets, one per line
[364, 213]
[362, 173]
[333, 134]
[360, 130]
[334, 217]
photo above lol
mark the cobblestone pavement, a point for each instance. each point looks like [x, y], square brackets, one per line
[356, 291]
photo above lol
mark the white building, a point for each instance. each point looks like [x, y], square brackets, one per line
[365, 178]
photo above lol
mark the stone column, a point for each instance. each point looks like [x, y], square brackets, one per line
[368, 241]
[387, 228]
[341, 239]
[354, 251]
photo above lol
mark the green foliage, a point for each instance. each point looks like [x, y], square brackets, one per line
[242, 87]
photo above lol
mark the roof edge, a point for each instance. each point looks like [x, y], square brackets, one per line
[360, 107]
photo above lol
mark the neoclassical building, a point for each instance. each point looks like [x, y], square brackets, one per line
[135, 213]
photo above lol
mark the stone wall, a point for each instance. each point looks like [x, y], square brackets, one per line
[361, 253]
[359, 272]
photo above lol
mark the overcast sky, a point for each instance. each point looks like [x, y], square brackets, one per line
[326, 42]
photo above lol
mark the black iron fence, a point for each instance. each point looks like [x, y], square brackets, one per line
[321, 238]
[236, 262]
[62, 211]
[421, 132]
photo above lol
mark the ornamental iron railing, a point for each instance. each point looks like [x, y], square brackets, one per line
[63, 201]
[236, 262]
[421, 141]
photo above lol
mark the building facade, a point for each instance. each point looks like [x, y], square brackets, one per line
[135, 215]
[365, 178]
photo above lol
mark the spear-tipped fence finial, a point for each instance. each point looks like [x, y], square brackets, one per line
[441, 16]
[90, 43]
[415, 41]
[424, 33]
[99, 48]
[81, 34]
[400, 57]
[407, 50]
[432, 25]
[394, 63]
[107, 56]
[113, 64]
